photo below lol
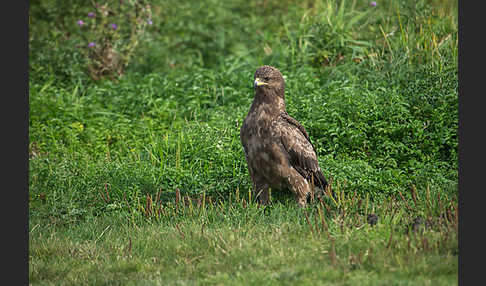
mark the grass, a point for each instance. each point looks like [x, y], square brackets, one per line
[194, 241]
[142, 179]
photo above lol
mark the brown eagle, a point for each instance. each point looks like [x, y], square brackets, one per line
[278, 150]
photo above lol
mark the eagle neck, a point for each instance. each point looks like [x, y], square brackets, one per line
[271, 100]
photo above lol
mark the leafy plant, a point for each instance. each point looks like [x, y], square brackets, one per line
[336, 32]
[110, 34]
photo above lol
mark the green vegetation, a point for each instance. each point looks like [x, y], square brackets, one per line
[137, 175]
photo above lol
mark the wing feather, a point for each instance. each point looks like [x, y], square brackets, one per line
[302, 154]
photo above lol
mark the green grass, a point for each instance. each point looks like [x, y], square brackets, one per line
[237, 242]
[142, 179]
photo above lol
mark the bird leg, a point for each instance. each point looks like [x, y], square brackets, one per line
[312, 188]
[264, 197]
[299, 186]
[262, 193]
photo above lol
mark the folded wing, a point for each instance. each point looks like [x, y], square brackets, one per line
[302, 154]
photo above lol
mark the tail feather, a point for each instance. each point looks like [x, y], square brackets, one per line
[319, 180]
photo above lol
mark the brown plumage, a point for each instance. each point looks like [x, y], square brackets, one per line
[278, 150]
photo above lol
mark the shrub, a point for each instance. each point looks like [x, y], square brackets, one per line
[110, 34]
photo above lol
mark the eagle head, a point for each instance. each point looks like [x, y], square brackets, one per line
[269, 80]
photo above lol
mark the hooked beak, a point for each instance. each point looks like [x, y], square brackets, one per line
[258, 82]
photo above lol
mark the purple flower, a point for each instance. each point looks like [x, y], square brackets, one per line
[373, 4]
[114, 26]
[91, 14]
[80, 23]
[149, 21]
[91, 44]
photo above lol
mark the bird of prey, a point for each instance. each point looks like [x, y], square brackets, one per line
[278, 150]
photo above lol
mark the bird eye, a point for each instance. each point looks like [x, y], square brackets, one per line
[266, 78]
